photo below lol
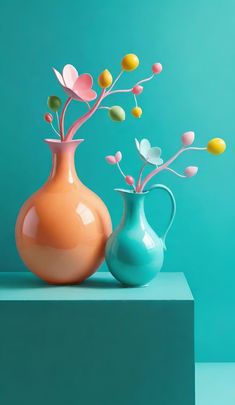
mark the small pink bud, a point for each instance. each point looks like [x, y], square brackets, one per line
[110, 159]
[129, 180]
[48, 118]
[188, 138]
[156, 68]
[191, 171]
[118, 156]
[137, 89]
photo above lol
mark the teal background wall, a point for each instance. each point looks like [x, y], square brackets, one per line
[195, 43]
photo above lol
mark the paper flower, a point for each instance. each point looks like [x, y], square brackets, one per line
[77, 87]
[149, 154]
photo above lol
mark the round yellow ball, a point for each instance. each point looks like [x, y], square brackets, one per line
[105, 79]
[130, 62]
[137, 112]
[216, 146]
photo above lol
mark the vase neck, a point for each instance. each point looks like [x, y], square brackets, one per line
[63, 166]
[133, 207]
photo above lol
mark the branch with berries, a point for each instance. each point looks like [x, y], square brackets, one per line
[79, 88]
[152, 156]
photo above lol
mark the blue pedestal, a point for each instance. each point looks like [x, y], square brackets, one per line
[97, 343]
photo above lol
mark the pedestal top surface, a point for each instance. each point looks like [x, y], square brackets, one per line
[101, 286]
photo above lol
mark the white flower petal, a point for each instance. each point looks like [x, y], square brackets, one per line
[59, 76]
[154, 156]
[70, 75]
[137, 144]
[145, 146]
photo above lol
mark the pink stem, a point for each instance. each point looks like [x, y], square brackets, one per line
[120, 91]
[77, 124]
[62, 118]
[176, 173]
[129, 90]
[123, 174]
[115, 81]
[165, 165]
[146, 80]
[140, 176]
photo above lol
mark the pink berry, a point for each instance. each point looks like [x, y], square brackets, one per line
[188, 138]
[191, 171]
[111, 160]
[48, 118]
[137, 89]
[129, 180]
[118, 156]
[156, 68]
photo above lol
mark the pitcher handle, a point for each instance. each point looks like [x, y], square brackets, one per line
[173, 209]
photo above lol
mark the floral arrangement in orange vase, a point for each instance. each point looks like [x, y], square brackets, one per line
[79, 88]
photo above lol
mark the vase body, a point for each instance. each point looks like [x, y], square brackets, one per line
[134, 252]
[62, 229]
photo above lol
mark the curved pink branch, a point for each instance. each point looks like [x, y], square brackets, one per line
[62, 118]
[140, 176]
[130, 90]
[77, 124]
[176, 173]
[165, 166]
[116, 80]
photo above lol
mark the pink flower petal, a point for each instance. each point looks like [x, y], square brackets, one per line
[191, 171]
[70, 75]
[118, 156]
[59, 76]
[188, 138]
[87, 95]
[83, 87]
[72, 94]
[110, 159]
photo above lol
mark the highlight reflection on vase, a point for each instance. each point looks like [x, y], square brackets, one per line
[62, 229]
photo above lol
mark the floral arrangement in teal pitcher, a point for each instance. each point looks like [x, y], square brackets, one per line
[134, 252]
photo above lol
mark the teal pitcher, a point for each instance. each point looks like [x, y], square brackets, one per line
[134, 252]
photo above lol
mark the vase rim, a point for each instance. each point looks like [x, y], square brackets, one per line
[126, 191]
[58, 141]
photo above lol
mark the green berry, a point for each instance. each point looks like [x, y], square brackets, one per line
[117, 113]
[54, 103]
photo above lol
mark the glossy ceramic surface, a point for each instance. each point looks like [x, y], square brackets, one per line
[134, 252]
[62, 229]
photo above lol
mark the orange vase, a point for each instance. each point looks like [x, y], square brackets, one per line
[62, 229]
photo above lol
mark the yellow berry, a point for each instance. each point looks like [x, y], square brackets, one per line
[137, 112]
[130, 62]
[216, 146]
[105, 79]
